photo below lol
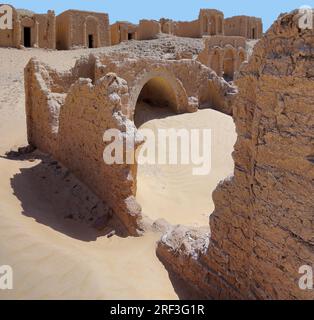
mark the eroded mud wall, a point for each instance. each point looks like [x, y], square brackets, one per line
[262, 226]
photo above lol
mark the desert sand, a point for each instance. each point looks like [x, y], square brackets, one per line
[172, 192]
[58, 258]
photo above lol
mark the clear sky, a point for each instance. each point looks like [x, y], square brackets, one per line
[134, 10]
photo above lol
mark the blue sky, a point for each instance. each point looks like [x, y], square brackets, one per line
[134, 10]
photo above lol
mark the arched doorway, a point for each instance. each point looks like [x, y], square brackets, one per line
[229, 64]
[167, 188]
[28, 35]
[92, 33]
[156, 99]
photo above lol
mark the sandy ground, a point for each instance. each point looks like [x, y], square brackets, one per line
[58, 258]
[173, 192]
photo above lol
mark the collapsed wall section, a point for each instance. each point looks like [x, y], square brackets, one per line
[67, 116]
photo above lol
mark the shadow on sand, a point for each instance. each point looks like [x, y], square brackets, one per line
[52, 196]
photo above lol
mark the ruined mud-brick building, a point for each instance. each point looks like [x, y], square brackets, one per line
[123, 31]
[29, 29]
[211, 22]
[244, 26]
[224, 55]
[71, 29]
[77, 29]
[82, 29]
[261, 232]
[145, 30]
[68, 113]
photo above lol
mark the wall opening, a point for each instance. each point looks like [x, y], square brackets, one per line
[228, 65]
[157, 98]
[171, 191]
[130, 36]
[90, 41]
[91, 32]
[253, 33]
[27, 37]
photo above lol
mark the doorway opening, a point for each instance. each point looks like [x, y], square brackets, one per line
[169, 190]
[27, 37]
[90, 41]
[253, 33]
[156, 100]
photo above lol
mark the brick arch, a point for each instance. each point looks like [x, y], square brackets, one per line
[27, 22]
[167, 83]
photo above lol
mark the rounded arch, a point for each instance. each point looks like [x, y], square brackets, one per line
[28, 32]
[27, 22]
[229, 62]
[158, 86]
[92, 32]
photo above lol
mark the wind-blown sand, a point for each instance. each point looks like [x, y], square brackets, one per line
[49, 264]
[54, 257]
[173, 192]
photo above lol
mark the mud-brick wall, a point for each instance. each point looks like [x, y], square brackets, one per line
[88, 112]
[6, 38]
[275, 123]
[74, 26]
[243, 26]
[187, 29]
[67, 116]
[63, 32]
[148, 29]
[263, 223]
[46, 30]
[115, 34]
